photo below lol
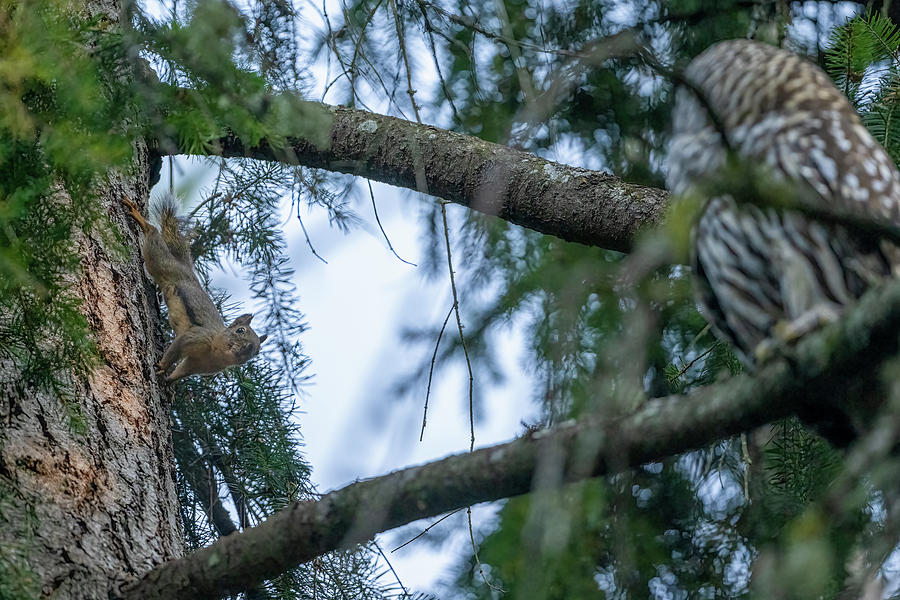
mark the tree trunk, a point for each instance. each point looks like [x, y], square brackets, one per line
[87, 491]
[89, 496]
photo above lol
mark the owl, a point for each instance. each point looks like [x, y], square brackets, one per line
[764, 274]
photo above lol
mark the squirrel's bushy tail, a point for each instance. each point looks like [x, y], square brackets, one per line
[173, 230]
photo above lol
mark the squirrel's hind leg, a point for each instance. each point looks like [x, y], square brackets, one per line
[136, 214]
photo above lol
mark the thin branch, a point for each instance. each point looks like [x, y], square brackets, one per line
[583, 53]
[345, 71]
[426, 530]
[208, 200]
[203, 483]
[471, 23]
[462, 341]
[381, 227]
[306, 234]
[513, 46]
[437, 345]
[236, 488]
[815, 380]
[362, 35]
[469, 51]
[429, 30]
[475, 554]
[391, 567]
[459, 325]
[401, 40]
[691, 364]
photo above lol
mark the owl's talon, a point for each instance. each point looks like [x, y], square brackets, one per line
[765, 351]
[812, 319]
[787, 332]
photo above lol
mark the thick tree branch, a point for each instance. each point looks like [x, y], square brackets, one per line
[816, 380]
[571, 203]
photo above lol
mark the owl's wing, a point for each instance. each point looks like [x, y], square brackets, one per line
[781, 110]
[833, 154]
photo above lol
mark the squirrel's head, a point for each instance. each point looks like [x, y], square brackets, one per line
[242, 340]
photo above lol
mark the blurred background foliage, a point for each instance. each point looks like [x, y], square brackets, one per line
[549, 78]
[605, 330]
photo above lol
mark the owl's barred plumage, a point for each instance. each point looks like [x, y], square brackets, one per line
[757, 266]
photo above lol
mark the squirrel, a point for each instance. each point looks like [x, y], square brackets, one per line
[201, 338]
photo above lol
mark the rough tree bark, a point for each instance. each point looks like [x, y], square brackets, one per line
[87, 509]
[103, 499]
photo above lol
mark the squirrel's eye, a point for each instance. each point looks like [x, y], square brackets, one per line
[240, 330]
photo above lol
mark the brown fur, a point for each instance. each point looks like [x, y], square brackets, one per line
[202, 344]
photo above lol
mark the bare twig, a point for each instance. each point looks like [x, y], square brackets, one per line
[429, 30]
[509, 40]
[691, 364]
[347, 71]
[431, 372]
[503, 38]
[381, 227]
[459, 325]
[391, 567]
[426, 530]
[401, 40]
[306, 234]
[362, 35]
[475, 554]
[462, 341]
[207, 200]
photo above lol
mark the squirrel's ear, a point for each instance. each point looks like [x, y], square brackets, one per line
[242, 320]
[262, 338]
